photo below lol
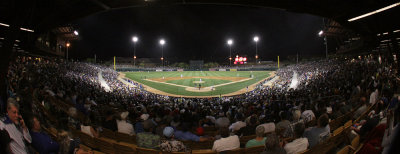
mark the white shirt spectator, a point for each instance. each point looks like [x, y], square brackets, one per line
[86, 130]
[269, 127]
[307, 116]
[237, 125]
[228, 143]
[17, 144]
[296, 146]
[222, 122]
[373, 97]
[125, 127]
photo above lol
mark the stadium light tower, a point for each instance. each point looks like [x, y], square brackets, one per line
[68, 44]
[320, 33]
[230, 42]
[134, 39]
[256, 40]
[162, 42]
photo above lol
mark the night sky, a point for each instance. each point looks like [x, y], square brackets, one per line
[194, 32]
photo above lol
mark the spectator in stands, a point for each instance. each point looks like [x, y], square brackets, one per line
[226, 142]
[373, 98]
[147, 139]
[300, 143]
[284, 123]
[170, 144]
[87, 129]
[259, 140]
[272, 145]
[238, 124]
[41, 141]
[362, 109]
[222, 121]
[4, 140]
[139, 125]
[249, 128]
[15, 126]
[307, 115]
[185, 134]
[124, 126]
[110, 122]
[319, 133]
[296, 119]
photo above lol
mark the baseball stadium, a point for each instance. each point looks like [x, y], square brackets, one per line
[199, 76]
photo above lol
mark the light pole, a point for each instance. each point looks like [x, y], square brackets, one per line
[68, 44]
[230, 42]
[134, 39]
[162, 42]
[256, 40]
[320, 33]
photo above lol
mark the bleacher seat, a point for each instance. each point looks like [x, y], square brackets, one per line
[255, 150]
[123, 149]
[344, 150]
[122, 137]
[236, 151]
[106, 133]
[104, 146]
[146, 151]
[204, 151]
[337, 131]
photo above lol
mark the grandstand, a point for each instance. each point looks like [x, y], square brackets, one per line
[345, 102]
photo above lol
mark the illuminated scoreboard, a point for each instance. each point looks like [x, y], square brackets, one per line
[240, 60]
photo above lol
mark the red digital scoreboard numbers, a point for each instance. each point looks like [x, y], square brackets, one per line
[240, 60]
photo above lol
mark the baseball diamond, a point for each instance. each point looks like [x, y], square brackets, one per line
[198, 83]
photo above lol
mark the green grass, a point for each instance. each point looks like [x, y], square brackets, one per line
[140, 76]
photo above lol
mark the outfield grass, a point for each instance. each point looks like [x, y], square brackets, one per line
[140, 76]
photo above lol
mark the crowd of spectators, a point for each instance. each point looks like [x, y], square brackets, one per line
[326, 90]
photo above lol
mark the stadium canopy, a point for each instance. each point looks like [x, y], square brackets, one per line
[47, 14]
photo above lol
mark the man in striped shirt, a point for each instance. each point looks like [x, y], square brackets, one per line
[16, 128]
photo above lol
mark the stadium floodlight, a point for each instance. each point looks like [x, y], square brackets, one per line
[134, 39]
[68, 44]
[256, 40]
[162, 42]
[374, 12]
[230, 42]
[320, 32]
[76, 33]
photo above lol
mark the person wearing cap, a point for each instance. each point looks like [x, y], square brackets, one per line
[124, 126]
[259, 140]
[147, 139]
[169, 144]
